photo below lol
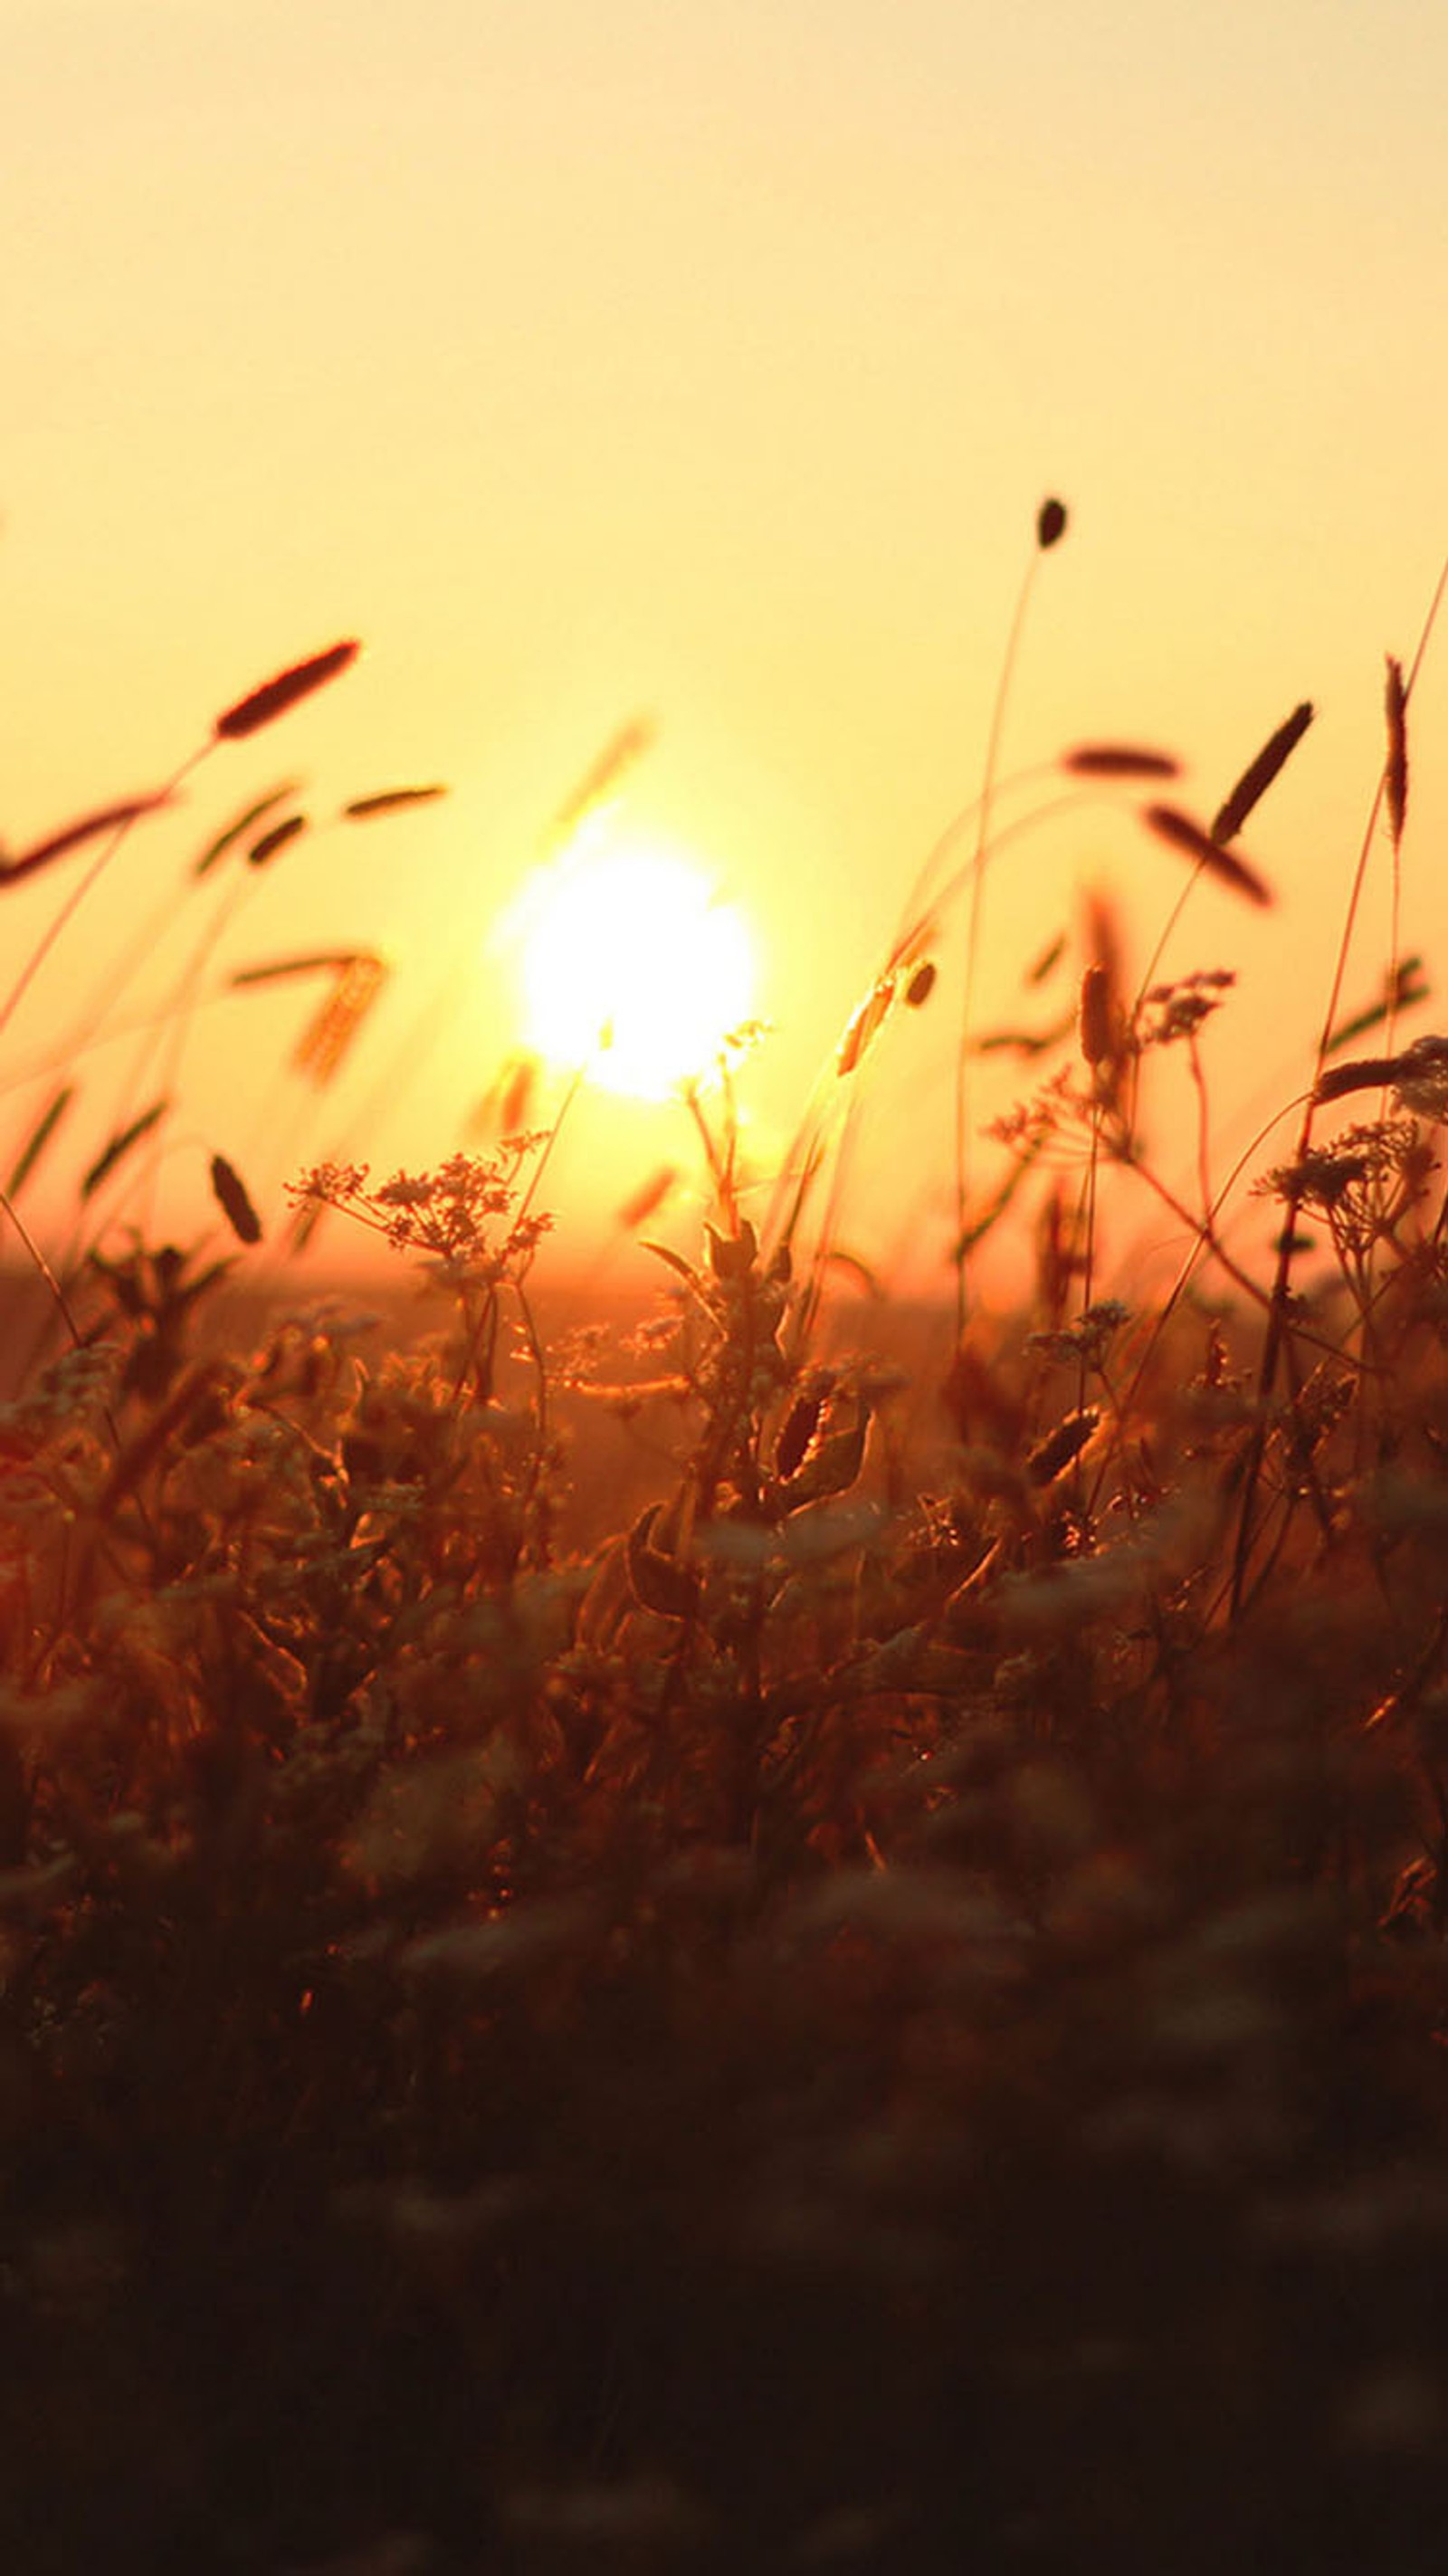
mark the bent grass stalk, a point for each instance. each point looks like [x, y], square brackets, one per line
[1050, 528]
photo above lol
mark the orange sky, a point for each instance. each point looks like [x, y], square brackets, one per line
[713, 363]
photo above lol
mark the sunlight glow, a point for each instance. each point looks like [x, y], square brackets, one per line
[629, 966]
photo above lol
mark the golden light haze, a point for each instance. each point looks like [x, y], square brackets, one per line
[712, 364]
[629, 968]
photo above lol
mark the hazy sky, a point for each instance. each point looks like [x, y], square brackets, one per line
[713, 362]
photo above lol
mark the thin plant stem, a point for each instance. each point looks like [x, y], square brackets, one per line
[65, 912]
[973, 936]
[1277, 1320]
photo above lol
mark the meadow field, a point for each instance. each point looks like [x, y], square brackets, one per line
[777, 1932]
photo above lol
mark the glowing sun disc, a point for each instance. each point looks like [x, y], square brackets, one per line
[629, 966]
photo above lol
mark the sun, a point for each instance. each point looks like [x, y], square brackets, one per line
[629, 964]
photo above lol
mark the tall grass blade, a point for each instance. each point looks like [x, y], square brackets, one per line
[39, 1138]
[317, 961]
[1404, 989]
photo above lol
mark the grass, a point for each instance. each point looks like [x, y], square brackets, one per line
[882, 2007]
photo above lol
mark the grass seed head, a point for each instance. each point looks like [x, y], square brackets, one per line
[232, 1198]
[389, 800]
[267, 843]
[1180, 833]
[603, 775]
[330, 1035]
[90, 827]
[239, 826]
[1043, 965]
[865, 1023]
[1257, 777]
[276, 696]
[648, 1198]
[1096, 1033]
[1118, 760]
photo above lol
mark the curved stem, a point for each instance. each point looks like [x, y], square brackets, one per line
[65, 912]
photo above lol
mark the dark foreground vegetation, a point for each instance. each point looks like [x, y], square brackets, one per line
[889, 2012]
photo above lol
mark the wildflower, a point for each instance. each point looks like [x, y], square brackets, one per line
[1347, 1182]
[1088, 1339]
[1421, 1081]
[1173, 1011]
